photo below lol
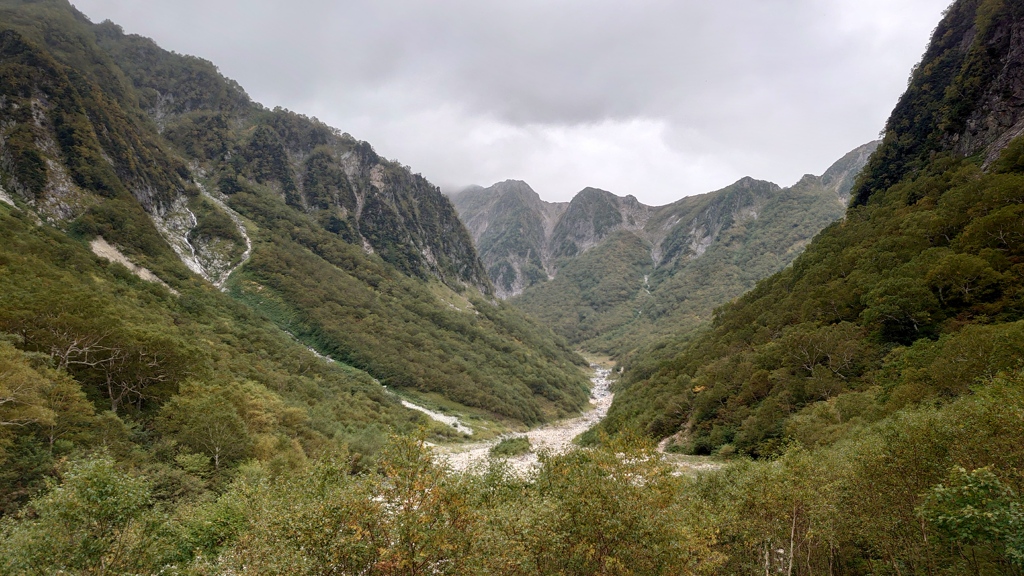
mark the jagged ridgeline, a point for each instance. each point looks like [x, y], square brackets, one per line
[610, 274]
[156, 158]
[914, 297]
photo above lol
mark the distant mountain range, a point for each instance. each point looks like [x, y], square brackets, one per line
[602, 269]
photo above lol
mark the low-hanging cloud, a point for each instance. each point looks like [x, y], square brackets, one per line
[655, 98]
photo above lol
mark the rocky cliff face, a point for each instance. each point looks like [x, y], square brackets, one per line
[510, 224]
[965, 98]
[64, 139]
[685, 229]
[841, 176]
[996, 44]
[591, 216]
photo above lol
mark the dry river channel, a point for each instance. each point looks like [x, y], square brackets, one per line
[553, 438]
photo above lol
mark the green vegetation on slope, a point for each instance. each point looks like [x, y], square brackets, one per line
[361, 311]
[913, 296]
[407, 515]
[97, 358]
[959, 97]
[314, 168]
[177, 383]
[614, 299]
[186, 434]
[348, 247]
[511, 447]
[595, 293]
[929, 491]
[626, 275]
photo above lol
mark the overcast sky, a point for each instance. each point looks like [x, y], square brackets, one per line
[656, 98]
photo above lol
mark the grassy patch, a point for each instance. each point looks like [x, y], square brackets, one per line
[511, 447]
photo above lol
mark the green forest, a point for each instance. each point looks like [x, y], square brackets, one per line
[860, 412]
[910, 299]
[924, 493]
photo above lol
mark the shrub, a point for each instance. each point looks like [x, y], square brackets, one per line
[511, 447]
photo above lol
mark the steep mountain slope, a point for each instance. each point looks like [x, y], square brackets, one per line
[510, 225]
[914, 298]
[623, 273]
[964, 97]
[361, 197]
[92, 357]
[523, 240]
[590, 217]
[107, 137]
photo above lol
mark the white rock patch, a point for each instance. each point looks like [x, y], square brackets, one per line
[5, 198]
[105, 250]
[452, 421]
[240, 224]
[174, 225]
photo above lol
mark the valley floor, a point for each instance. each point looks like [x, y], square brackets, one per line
[555, 438]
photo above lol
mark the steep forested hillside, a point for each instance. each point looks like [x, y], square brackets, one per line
[94, 358]
[913, 298]
[610, 274]
[170, 251]
[106, 136]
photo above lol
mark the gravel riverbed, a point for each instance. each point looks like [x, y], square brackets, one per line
[555, 438]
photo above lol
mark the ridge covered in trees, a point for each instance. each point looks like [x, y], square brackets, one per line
[108, 136]
[915, 294]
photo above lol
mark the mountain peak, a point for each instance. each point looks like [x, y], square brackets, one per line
[517, 187]
[512, 182]
[591, 191]
[841, 175]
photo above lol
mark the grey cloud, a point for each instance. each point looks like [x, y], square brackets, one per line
[771, 88]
